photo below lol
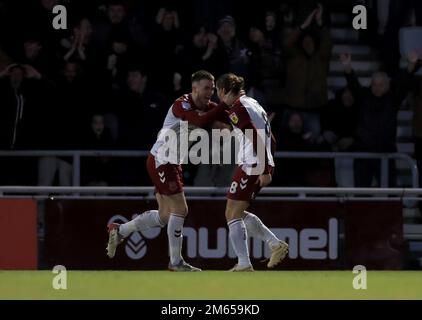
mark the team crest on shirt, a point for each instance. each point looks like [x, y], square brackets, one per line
[234, 118]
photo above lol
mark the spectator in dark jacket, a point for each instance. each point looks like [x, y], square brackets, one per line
[117, 21]
[339, 124]
[35, 54]
[97, 170]
[377, 117]
[168, 47]
[417, 127]
[339, 121]
[61, 123]
[140, 111]
[230, 46]
[21, 94]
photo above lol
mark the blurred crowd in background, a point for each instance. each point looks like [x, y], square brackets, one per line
[107, 82]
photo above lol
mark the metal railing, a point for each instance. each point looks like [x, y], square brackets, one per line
[77, 154]
[384, 157]
[273, 193]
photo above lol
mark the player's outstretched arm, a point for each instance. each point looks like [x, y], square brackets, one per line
[201, 119]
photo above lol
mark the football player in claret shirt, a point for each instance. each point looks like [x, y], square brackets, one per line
[256, 166]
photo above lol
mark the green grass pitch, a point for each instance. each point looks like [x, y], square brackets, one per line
[162, 285]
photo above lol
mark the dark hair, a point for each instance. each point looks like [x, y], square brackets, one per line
[202, 74]
[227, 19]
[231, 82]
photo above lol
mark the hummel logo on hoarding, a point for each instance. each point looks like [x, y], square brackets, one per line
[136, 246]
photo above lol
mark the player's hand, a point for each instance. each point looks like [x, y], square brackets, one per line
[264, 180]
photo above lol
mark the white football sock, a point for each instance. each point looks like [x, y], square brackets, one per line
[148, 219]
[175, 235]
[239, 241]
[256, 228]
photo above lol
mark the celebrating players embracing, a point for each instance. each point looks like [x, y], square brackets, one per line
[166, 173]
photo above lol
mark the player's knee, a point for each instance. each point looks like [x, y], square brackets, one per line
[185, 210]
[232, 214]
[164, 216]
[181, 209]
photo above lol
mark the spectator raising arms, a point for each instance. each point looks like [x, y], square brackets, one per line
[377, 117]
[308, 49]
